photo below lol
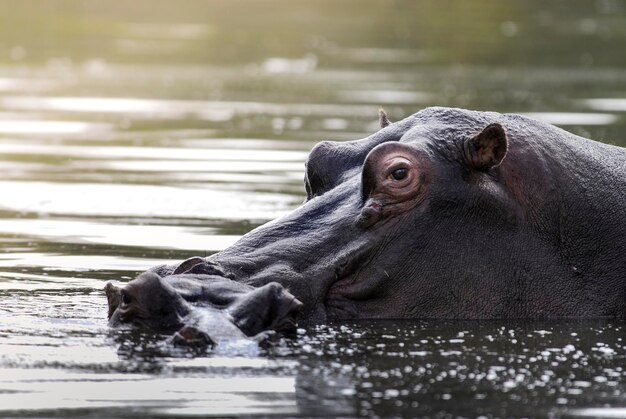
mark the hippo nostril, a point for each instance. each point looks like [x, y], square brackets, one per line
[370, 214]
[373, 209]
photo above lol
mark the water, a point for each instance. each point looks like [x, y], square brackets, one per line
[147, 132]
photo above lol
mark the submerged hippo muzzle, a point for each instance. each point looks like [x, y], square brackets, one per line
[201, 309]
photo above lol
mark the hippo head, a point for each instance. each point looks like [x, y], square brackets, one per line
[446, 214]
[200, 308]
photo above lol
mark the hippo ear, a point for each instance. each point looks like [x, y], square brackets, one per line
[187, 265]
[487, 149]
[382, 118]
[196, 265]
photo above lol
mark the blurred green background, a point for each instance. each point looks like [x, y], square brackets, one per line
[513, 56]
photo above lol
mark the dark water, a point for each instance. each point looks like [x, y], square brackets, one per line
[140, 132]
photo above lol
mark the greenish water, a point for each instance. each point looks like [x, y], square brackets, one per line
[133, 133]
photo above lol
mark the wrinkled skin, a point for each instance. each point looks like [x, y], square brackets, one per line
[200, 309]
[449, 214]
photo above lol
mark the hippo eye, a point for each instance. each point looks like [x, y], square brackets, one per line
[400, 174]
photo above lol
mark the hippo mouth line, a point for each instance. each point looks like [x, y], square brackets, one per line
[350, 286]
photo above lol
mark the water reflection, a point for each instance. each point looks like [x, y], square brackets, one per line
[151, 108]
[604, 412]
[607, 104]
[90, 199]
[60, 231]
[118, 394]
[45, 127]
[486, 368]
[383, 97]
[408, 368]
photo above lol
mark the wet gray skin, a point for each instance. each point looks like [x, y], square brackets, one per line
[449, 213]
[201, 310]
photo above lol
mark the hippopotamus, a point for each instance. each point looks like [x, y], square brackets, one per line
[451, 214]
[202, 310]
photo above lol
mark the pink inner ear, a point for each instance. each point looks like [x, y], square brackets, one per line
[487, 149]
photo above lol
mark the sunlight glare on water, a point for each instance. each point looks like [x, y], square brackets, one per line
[163, 153]
[217, 110]
[234, 395]
[95, 199]
[44, 127]
[172, 237]
[612, 104]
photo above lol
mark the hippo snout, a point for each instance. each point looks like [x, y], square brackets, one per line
[201, 310]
